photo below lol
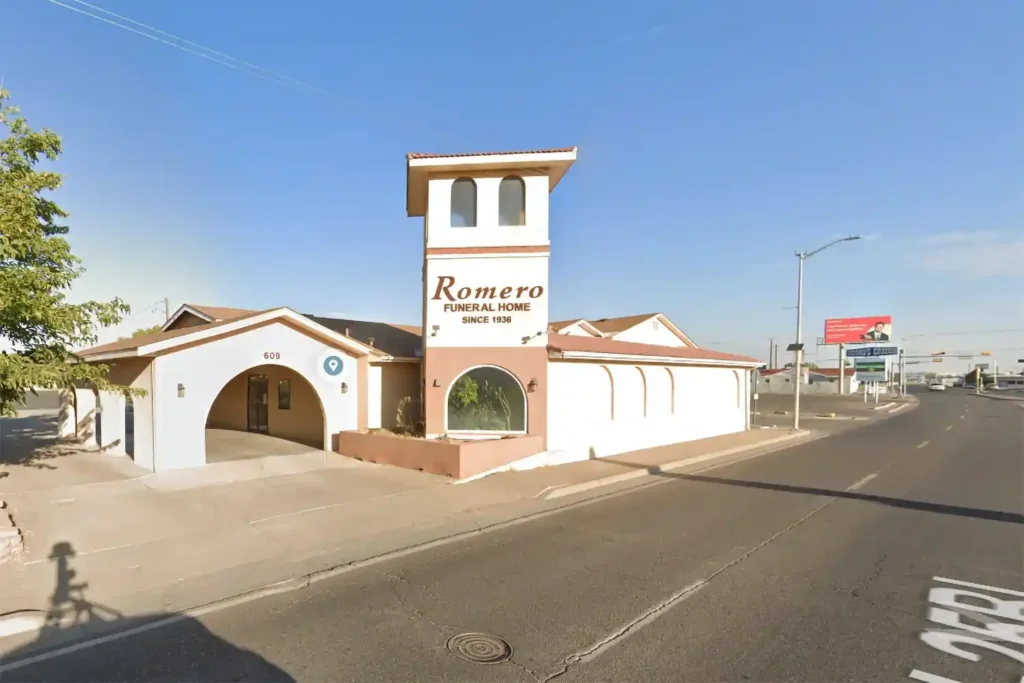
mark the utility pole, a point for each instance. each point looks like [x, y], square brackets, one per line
[776, 356]
[167, 309]
[842, 368]
[771, 350]
[798, 346]
[798, 352]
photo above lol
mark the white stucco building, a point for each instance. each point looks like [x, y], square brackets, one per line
[485, 364]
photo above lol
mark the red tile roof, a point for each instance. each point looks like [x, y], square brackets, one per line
[573, 343]
[419, 155]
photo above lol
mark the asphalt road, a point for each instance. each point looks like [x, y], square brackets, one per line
[824, 562]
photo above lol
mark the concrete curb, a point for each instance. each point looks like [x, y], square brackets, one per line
[570, 489]
[997, 397]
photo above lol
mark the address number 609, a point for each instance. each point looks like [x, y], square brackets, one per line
[272, 355]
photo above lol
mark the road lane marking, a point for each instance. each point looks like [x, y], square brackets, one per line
[926, 677]
[631, 627]
[923, 443]
[862, 482]
[981, 586]
[948, 427]
[951, 635]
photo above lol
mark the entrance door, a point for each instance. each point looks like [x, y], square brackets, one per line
[258, 403]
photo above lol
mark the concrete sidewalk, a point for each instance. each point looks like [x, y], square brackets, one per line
[150, 548]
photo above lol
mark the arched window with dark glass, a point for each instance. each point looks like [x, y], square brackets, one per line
[486, 399]
[512, 201]
[464, 203]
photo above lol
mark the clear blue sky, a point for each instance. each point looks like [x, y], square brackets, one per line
[715, 139]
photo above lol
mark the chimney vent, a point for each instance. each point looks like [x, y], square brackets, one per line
[371, 341]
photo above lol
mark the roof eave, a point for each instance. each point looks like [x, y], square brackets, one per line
[183, 309]
[110, 355]
[417, 170]
[667, 360]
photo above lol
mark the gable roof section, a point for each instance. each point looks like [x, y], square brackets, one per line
[559, 325]
[398, 341]
[613, 326]
[208, 313]
[167, 342]
[594, 348]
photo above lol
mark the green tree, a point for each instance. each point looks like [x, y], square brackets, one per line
[144, 330]
[38, 324]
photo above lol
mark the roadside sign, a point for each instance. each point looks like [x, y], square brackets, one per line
[981, 366]
[936, 360]
[870, 376]
[870, 370]
[872, 351]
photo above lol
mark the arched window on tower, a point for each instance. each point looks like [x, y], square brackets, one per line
[512, 201]
[486, 399]
[464, 203]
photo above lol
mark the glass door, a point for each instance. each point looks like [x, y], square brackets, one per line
[259, 399]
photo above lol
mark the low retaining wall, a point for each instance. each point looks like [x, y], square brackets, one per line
[457, 459]
[10, 536]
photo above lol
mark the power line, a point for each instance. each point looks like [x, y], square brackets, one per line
[962, 333]
[198, 49]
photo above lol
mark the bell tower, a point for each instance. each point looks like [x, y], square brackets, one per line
[485, 288]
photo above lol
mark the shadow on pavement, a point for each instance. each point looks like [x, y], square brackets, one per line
[30, 441]
[157, 647]
[941, 508]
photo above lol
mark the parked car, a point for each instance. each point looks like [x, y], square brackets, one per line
[937, 386]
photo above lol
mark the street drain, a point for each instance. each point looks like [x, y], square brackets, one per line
[479, 648]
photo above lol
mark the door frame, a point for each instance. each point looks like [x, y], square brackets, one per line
[249, 405]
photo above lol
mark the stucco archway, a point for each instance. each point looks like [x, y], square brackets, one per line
[265, 410]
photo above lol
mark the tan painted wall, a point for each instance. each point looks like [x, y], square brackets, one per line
[398, 380]
[444, 365]
[303, 422]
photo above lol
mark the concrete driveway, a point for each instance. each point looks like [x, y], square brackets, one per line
[223, 445]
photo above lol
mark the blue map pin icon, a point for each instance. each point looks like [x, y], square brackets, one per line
[333, 366]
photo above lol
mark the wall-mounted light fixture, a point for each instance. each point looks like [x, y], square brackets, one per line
[528, 337]
[532, 385]
[434, 329]
[344, 388]
[181, 391]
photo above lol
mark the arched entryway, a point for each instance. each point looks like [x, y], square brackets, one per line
[265, 410]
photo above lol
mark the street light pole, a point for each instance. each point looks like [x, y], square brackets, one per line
[798, 353]
[798, 346]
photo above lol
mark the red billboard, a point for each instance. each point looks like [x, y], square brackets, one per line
[858, 330]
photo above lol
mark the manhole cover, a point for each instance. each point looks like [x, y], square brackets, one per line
[479, 648]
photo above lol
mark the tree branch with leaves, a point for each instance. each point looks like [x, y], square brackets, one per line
[37, 322]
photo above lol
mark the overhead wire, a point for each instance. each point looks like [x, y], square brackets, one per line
[196, 49]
